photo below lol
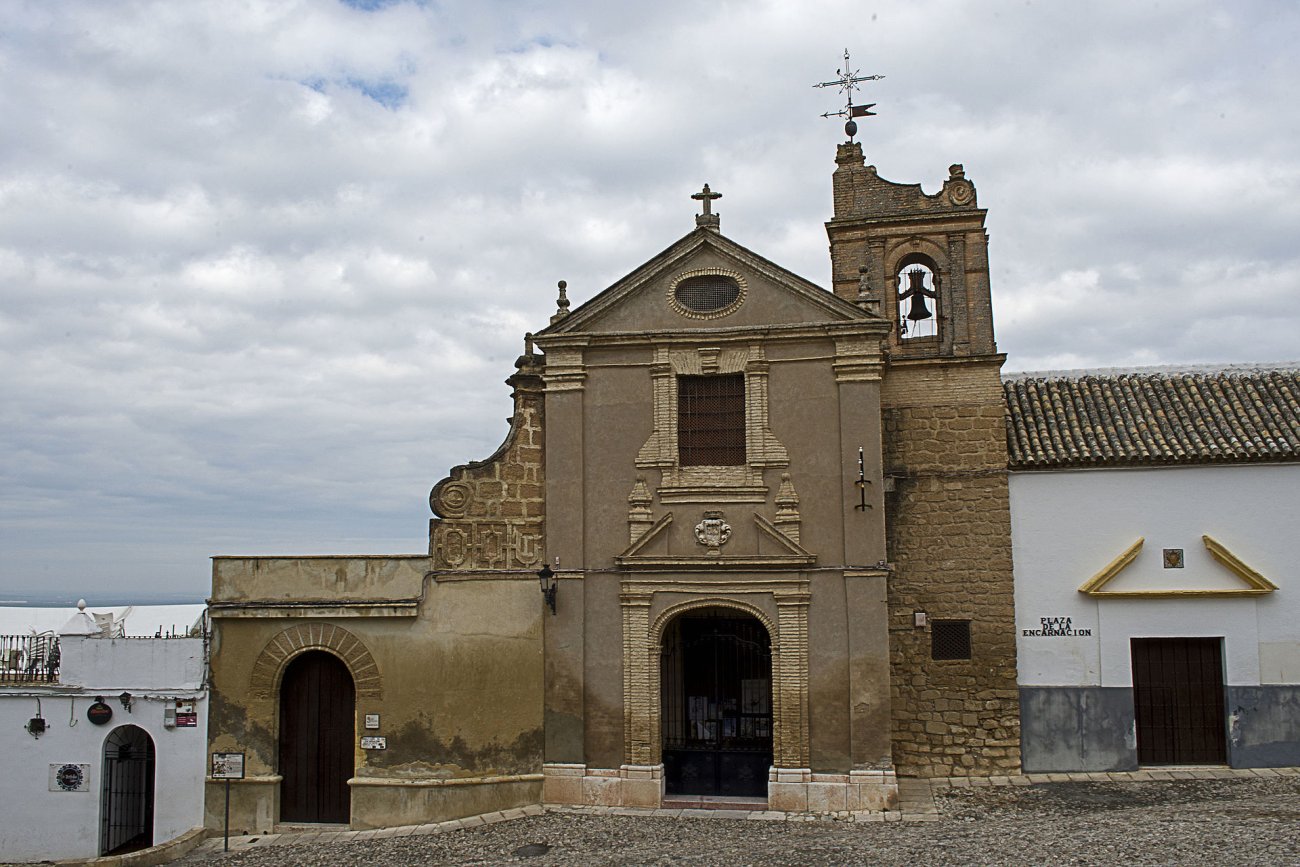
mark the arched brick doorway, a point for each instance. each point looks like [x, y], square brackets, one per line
[716, 703]
[317, 722]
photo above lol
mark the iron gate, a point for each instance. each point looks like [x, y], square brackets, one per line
[716, 687]
[1178, 700]
[127, 800]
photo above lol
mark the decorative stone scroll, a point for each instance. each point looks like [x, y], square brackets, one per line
[491, 513]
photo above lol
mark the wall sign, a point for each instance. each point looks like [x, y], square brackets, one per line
[227, 766]
[374, 743]
[1055, 627]
[186, 716]
[99, 713]
[69, 777]
[372, 720]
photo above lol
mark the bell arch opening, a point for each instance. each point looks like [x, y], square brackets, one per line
[317, 729]
[127, 791]
[917, 278]
[715, 676]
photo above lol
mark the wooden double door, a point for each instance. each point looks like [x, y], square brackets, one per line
[1178, 700]
[317, 727]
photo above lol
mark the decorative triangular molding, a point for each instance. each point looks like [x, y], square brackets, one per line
[769, 529]
[649, 535]
[1257, 584]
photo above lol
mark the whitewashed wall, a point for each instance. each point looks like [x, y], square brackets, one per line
[1066, 526]
[37, 824]
[1077, 708]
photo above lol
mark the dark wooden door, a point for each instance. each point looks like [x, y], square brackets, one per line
[716, 683]
[1178, 700]
[317, 717]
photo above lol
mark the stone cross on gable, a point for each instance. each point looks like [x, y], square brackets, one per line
[708, 219]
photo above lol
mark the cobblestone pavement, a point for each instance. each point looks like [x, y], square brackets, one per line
[1220, 817]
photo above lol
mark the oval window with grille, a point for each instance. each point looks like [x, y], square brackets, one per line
[706, 295]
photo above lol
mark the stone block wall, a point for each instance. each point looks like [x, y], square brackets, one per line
[949, 536]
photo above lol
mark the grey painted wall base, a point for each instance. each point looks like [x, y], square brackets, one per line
[1069, 728]
[1263, 726]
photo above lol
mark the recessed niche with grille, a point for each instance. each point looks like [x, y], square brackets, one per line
[950, 639]
[711, 420]
[706, 294]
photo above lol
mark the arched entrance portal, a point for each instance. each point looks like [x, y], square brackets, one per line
[126, 791]
[317, 719]
[716, 693]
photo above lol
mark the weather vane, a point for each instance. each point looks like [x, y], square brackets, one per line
[847, 83]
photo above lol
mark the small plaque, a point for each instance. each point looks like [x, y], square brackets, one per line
[227, 766]
[69, 777]
[186, 716]
[370, 742]
[1173, 558]
[372, 721]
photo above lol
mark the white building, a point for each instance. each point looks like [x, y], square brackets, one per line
[103, 718]
[1157, 601]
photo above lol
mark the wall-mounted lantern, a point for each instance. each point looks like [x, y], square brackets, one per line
[125, 699]
[546, 578]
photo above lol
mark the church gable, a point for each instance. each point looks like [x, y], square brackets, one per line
[705, 281]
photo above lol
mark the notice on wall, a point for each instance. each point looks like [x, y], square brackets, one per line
[186, 716]
[227, 766]
[1055, 627]
[374, 743]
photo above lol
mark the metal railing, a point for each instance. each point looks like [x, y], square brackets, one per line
[29, 658]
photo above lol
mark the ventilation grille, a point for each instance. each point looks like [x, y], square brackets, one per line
[950, 639]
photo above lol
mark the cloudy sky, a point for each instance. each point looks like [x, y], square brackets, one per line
[264, 265]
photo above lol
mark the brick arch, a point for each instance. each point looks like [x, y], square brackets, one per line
[648, 695]
[296, 640]
[667, 615]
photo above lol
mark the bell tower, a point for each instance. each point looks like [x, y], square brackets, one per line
[921, 262]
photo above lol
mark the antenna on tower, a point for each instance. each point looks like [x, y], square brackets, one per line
[848, 81]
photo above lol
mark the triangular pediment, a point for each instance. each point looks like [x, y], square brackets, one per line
[1241, 580]
[644, 300]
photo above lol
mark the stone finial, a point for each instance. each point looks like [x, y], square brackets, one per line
[956, 171]
[868, 299]
[639, 516]
[707, 220]
[787, 509]
[561, 303]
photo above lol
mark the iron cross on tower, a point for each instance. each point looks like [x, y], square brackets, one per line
[848, 81]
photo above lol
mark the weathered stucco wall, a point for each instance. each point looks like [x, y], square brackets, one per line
[457, 688]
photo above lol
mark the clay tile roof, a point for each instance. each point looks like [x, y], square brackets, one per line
[1153, 416]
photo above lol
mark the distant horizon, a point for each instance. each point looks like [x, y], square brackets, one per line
[115, 599]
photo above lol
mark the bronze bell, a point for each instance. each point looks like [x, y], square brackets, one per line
[917, 292]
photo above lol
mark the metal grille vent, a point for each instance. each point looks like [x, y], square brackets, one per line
[707, 293]
[711, 420]
[950, 639]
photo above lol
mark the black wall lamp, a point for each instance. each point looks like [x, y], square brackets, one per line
[125, 699]
[546, 578]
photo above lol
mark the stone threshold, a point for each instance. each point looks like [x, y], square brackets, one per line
[713, 802]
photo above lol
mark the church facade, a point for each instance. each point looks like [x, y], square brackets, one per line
[771, 525]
